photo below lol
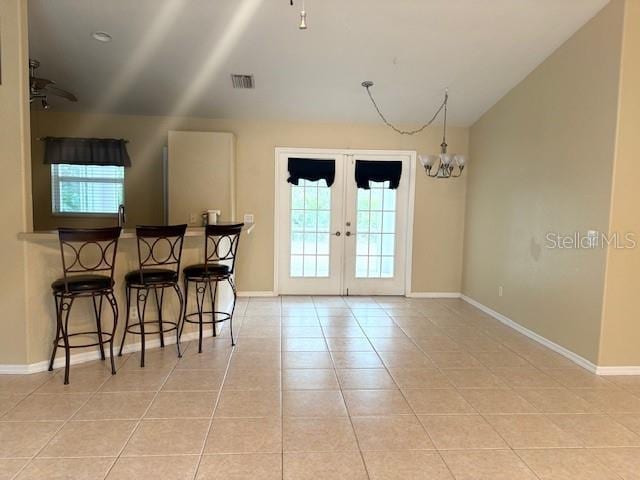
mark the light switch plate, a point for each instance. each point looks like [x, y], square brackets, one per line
[248, 218]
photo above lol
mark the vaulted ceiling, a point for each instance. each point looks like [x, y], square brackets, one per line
[176, 56]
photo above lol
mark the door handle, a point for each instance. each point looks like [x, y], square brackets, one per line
[337, 234]
[348, 234]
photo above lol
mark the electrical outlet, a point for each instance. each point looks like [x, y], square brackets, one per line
[192, 217]
[248, 218]
[133, 313]
[500, 291]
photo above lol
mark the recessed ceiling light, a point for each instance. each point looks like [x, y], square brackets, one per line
[101, 36]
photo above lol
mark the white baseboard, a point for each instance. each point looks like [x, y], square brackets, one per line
[257, 294]
[574, 357]
[565, 352]
[433, 295]
[622, 370]
[83, 357]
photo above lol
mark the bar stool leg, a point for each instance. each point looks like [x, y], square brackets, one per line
[159, 302]
[58, 328]
[114, 308]
[213, 294]
[142, 298]
[97, 310]
[66, 307]
[233, 308]
[180, 318]
[200, 294]
[186, 304]
[127, 293]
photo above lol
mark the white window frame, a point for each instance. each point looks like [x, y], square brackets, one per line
[55, 193]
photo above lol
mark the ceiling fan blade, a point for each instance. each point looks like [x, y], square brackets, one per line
[40, 83]
[61, 93]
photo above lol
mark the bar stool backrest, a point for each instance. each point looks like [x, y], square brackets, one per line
[88, 251]
[221, 244]
[160, 246]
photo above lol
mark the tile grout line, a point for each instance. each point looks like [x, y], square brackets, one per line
[482, 328]
[139, 421]
[215, 406]
[65, 422]
[364, 463]
[480, 414]
[547, 415]
[437, 451]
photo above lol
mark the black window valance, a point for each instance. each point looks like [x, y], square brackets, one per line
[372, 171]
[86, 151]
[311, 169]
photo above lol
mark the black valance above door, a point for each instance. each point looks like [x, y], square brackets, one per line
[312, 170]
[378, 171]
[86, 151]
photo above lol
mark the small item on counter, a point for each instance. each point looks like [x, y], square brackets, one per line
[212, 217]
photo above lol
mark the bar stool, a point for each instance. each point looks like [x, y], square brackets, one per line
[221, 245]
[159, 255]
[88, 262]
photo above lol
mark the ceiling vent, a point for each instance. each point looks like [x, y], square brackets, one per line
[242, 81]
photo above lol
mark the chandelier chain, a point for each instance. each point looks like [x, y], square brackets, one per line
[443, 105]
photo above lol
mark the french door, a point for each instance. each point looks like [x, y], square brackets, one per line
[341, 239]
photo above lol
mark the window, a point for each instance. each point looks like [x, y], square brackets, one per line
[310, 227]
[376, 231]
[86, 189]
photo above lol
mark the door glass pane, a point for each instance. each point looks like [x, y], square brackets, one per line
[362, 244]
[310, 229]
[324, 221]
[309, 266]
[323, 266]
[297, 243]
[323, 243]
[375, 230]
[296, 265]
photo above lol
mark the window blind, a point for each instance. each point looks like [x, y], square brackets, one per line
[86, 189]
[378, 171]
[86, 151]
[312, 170]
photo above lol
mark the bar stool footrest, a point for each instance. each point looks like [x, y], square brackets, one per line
[157, 331]
[107, 336]
[195, 317]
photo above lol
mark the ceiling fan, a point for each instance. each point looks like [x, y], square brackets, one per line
[40, 88]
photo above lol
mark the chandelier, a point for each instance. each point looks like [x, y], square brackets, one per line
[442, 165]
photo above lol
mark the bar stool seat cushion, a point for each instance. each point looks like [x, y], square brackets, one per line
[151, 276]
[213, 270]
[83, 283]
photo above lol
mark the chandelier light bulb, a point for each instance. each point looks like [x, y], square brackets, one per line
[461, 160]
[428, 161]
[445, 158]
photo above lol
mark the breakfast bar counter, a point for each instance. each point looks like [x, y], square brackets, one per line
[44, 266]
[45, 235]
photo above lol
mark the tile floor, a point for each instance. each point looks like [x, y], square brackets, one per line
[329, 388]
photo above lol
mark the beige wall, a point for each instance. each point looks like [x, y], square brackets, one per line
[200, 174]
[620, 342]
[542, 162]
[439, 212]
[14, 209]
